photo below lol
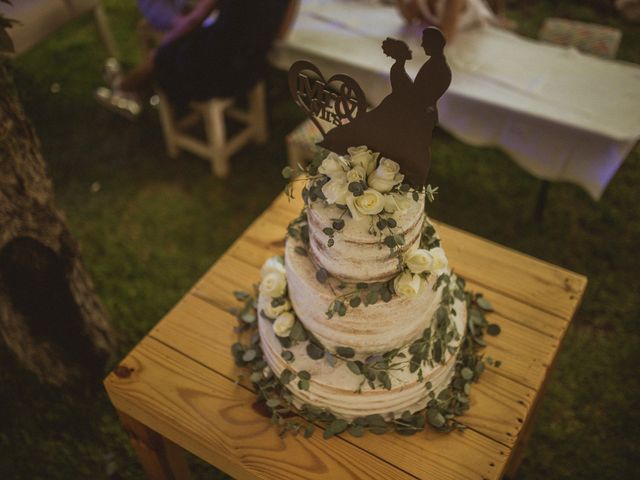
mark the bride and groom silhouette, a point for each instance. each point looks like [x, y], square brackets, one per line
[400, 127]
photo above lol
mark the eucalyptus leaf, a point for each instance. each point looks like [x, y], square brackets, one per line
[322, 275]
[314, 351]
[466, 373]
[303, 384]
[356, 430]
[345, 352]
[334, 428]
[273, 402]
[353, 366]
[241, 295]
[286, 376]
[287, 355]
[493, 329]
[484, 304]
[435, 418]
[249, 355]
[308, 431]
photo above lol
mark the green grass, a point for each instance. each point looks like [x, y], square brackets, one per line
[156, 224]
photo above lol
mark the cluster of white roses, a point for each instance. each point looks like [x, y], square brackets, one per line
[380, 179]
[419, 261]
[274, 285]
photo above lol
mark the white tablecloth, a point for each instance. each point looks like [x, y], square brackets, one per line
[560, 114]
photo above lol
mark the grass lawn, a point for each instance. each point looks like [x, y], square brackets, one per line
[149, 226]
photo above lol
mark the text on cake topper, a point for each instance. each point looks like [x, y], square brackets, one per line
[336, 101]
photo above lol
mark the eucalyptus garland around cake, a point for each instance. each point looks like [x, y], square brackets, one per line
[358, 192]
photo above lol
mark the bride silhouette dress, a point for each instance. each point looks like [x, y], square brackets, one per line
[401, 127]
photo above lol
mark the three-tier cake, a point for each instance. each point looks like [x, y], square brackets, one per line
[363, 302]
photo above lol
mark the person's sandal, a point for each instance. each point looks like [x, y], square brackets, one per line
[125, 104]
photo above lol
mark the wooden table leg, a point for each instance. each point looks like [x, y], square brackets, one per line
[161, 459]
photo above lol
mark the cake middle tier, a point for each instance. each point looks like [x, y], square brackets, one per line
[358, 253]
[373, 329]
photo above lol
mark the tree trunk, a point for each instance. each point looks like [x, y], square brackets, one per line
[50, 316]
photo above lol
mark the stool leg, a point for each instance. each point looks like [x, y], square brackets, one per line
[161, 459]
[217, 138]
[258, 112]
[104, 31]
[168, 126]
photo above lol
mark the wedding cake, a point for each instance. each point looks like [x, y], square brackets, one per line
[361, 324]
[364, 301]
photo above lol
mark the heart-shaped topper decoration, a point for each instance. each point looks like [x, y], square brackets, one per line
[336, 101]
[400, 128]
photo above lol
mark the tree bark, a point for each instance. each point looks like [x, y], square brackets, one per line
[50, 315]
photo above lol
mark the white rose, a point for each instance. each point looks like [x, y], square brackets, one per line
[363, 157]
[386, 176]
[274, 264]
[273, 284]
[283, 324]
[418, 260]
[407, 285]
[453, 283]
[356, 174]
[396, 202]
[440, 261]
[334, 166]
[273, 312]
[336, 190]
[371, 202]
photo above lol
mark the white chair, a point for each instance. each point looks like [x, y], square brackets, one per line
[216, 147]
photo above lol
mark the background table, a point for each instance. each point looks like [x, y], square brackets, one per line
[560, 114]
[179, 386]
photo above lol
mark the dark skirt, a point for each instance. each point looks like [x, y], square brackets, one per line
[224, 59]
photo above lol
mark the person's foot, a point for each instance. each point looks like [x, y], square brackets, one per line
[112, 72]
[126, 104]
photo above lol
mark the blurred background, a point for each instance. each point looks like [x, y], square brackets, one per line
[148, 226]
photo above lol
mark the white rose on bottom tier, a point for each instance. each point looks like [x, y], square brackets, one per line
[273, 264]
[407, 285]
[273, 284]
[418, 260]
[440, 262]
[273, 312]
[386, 176]
[283, 324]
[371, 202]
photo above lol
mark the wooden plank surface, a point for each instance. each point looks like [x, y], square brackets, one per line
[206, 332]
[184, 382]
[212, 417]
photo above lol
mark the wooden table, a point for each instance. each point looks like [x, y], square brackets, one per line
[178, 386]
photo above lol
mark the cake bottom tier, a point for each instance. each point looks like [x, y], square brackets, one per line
[346, 394]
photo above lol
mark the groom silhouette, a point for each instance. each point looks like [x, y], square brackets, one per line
[401, 127]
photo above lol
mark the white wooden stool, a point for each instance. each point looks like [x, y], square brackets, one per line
[216, 147]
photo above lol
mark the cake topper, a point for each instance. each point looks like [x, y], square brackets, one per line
[400, 128]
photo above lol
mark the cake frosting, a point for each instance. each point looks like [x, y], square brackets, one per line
[377, 328]
[357, 254]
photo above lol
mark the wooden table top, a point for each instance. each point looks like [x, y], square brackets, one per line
[184, 383]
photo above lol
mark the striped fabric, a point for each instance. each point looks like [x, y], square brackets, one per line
[590, 38]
